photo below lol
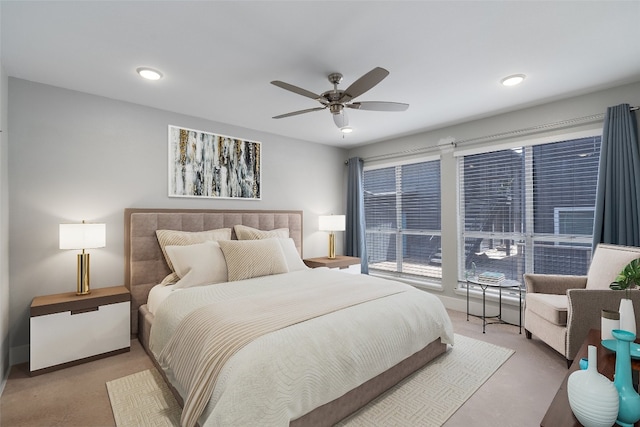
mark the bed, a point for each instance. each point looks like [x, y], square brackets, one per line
[313, 362]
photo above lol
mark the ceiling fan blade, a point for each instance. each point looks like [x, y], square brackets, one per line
[295, 113]
[296, 89]
[378, 106]
[341, 119]
[364, 83]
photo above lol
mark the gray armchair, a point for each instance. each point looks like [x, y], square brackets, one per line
[560, 310]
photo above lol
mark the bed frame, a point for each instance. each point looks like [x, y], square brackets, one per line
[145, 267]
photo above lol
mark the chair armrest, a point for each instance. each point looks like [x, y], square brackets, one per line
[584, 313]
[553, 283]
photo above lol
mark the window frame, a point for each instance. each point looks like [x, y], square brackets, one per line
[400, 233]
[528, 236]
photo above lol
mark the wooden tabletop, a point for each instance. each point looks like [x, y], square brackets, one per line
[340, 261]
[559, 412]
[70, 301]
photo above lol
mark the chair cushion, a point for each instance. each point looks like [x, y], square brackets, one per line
[607, 262]
[550, 307]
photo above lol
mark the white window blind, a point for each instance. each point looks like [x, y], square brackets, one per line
[402, 211]
[528, 209]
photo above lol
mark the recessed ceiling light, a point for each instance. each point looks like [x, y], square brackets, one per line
[346, 129]
[149, 73]
[513, 80]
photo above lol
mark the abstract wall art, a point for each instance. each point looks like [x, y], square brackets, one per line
[203, 164]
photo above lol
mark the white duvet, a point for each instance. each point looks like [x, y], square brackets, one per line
[287, 373]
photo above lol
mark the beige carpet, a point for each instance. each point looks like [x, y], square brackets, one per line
[427, 398]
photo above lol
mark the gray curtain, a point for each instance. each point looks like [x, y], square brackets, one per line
[355, 239]
[617, 215]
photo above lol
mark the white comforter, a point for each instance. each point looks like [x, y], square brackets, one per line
[287, 373]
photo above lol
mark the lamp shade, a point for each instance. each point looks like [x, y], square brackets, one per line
[331, 222]
[83, 236]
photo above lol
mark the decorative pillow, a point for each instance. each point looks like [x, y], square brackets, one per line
[170, 279]
[183, 238]
[253, 258]
[248, 233]
[199, 264]
[607, 262]
[291, 255]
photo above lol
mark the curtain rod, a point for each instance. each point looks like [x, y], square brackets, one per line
[398, 154]
[518, 132]
[535, 129]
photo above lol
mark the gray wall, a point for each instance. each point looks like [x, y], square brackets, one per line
[75, 156]
[4, 232]
[572, 108]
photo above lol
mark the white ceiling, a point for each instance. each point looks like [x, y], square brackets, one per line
[446, 58]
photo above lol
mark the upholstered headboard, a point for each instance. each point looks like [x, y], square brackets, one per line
[145, 265]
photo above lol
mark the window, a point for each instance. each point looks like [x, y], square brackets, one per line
[573, 220]
[402, 215]
[528, 209]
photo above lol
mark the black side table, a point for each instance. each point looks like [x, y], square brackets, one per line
[506, 284]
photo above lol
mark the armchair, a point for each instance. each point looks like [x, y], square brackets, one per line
[560, 310]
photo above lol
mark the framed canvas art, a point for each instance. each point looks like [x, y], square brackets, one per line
[203, 164]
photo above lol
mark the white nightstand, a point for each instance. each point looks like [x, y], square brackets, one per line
[346, 264]
[68, 329]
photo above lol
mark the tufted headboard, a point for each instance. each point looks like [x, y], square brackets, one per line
[145, 265]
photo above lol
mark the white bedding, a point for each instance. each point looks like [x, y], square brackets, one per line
[157, 294]
[287, 373]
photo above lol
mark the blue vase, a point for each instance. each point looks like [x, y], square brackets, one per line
[629, 408]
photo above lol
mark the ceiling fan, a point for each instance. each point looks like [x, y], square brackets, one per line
[336, 100]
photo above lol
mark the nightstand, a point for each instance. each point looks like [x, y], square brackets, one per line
[346, 264]
[68, 329]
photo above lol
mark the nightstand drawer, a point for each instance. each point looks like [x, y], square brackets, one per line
[68, 336]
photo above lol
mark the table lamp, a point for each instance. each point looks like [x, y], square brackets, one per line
[332, 223]
[83, 236]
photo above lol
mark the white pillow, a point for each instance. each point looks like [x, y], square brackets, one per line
[291, 255]
[253, 258]
[248, 233]
[199, 264]
[182, 238]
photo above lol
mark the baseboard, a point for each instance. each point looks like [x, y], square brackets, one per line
[509, 312]
[3, 382]
[451, 303]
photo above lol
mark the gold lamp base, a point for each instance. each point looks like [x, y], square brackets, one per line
[332, 246]
[83, 274]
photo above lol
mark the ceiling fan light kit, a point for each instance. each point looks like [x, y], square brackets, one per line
[346, 129]
[336, 100]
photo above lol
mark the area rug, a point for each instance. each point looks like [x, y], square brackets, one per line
[427, 398]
